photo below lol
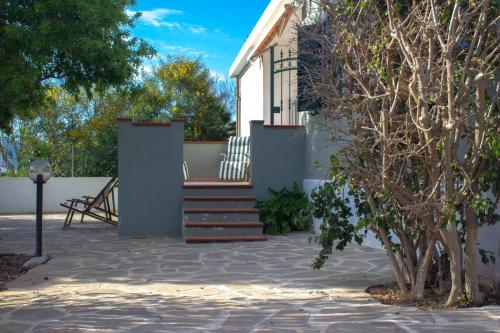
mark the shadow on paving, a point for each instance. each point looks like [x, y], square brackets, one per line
[107, 312]
[99, 282]
[94, 252]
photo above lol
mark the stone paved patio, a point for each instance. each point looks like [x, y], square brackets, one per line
[98, 282]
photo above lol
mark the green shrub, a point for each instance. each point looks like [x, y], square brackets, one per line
[287, 210]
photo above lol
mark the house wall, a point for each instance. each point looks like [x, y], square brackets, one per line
[18, 194]
[150, 172]
[255, 89]
[282, 43]
[203, 158]
[315, 147]
[251, 95]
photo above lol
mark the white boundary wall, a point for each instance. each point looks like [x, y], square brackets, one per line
[488, 237]
[309, 185]
[18, 194]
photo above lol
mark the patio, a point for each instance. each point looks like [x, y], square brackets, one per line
[99, 282]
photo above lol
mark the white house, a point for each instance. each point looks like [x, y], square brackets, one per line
[266, 66]
[266, 69]
[266, 74]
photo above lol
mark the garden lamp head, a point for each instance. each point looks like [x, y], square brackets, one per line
[40, 167]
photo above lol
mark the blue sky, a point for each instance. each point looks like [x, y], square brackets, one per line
[213, 30]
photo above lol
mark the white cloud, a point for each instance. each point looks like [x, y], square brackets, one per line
[177, 49]
[171, 25]
[148, 69]
[194, 29]
[197, 30]
[154, 17]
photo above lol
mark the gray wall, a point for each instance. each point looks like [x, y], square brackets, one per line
[18, 195]
[150, 173]
[277, 157]
[203, 158]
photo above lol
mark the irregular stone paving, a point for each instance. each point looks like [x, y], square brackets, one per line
[99, 282]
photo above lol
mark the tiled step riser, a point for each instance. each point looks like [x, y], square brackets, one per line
[220, 213]
[218, 191]
[218, 204]
[224, 239]
[221, 232]
[227, 217]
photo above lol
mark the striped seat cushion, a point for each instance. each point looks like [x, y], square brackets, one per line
[185, 170]
[233, 170]
[235, 165]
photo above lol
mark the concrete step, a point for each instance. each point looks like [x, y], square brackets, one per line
[221, 214]
[218, 201]
[223, 224]
[217, 189]
[215, 211]
[209, 239]
[222, 229]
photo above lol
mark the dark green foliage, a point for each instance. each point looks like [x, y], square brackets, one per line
[287, 210]
[487, 257]
[74, 44]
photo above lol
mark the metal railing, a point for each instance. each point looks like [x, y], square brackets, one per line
[73, 162]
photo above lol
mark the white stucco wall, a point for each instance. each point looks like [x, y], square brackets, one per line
[309, 185]
[18, 194]
[489, 239]
[251, 95]
[255, 83]
[284, 41]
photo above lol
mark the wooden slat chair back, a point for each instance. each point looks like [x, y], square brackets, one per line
[234, 165]
[101, 207]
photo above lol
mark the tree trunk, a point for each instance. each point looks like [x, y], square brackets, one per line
[423, 269]
[470, 262]
[439, 283]
[408, 256]
[455, 250]
[395, 265]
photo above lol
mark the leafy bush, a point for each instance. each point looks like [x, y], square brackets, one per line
[287, 210]
[331, 204]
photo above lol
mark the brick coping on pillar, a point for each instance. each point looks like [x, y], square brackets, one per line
[261, 122]
[150, 123]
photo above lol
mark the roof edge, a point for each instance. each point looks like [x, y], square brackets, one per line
[272, 13]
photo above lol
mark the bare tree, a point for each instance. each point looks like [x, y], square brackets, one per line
[410, 89]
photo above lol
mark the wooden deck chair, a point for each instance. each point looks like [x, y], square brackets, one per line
[101, 207]
[234, 165]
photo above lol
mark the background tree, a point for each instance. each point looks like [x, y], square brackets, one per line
[183, 88]
[78, 135]
[409, 91]
[225, 88]
[74, 44]
[78, 132]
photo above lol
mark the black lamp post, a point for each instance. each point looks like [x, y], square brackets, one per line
[40, 172]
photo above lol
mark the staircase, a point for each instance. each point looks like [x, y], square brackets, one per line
[220, 212]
